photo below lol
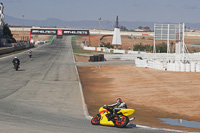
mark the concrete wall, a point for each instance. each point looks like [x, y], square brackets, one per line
[107, 50]
[150, 56]
[192, 33]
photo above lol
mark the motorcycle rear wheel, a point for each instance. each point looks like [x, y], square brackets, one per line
[16, 67]
[96, 120]
[122, 122]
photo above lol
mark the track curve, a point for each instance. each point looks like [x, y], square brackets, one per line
[44, 95]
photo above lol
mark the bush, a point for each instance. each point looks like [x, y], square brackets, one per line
[140, 47]
[108, 45]
[161, 48]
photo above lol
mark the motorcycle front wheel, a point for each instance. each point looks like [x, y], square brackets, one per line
[122, 122]
[96, 120]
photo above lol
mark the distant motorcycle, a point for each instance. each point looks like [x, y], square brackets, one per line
[120, 120]
[30, 54]
[16, 63]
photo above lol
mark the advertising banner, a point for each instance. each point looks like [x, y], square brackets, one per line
[76, 32]
[59, 32]
[43, 31]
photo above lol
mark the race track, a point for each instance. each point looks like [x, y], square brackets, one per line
[44, 95]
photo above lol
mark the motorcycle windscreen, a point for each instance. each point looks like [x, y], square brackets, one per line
[102, 110]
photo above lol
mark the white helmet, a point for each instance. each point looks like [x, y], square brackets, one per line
[15, 56]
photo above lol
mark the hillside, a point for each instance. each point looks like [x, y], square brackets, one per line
[86, 24]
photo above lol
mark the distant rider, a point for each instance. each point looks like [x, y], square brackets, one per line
[16, 61]
[119, 105]
[30, 53]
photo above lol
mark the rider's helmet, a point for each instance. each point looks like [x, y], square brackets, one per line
[119, 100]
[15, 56]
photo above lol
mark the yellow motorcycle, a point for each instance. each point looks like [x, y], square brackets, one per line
[119, 120]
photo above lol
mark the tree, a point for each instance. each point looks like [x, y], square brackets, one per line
[147, 27]
[140, 27]
[172, 47]
[6, 30]
[108, 45]
[123, 28]
[162, 48]
[7, 33]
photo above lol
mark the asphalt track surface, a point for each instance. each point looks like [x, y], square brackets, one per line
[44, 96]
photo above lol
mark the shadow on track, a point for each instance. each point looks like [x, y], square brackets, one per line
[21, 70]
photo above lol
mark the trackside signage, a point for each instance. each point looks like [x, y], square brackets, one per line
[59, 32]
[76, 32]
[43, 32]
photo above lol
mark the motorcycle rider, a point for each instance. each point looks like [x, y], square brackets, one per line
[16, 61]
[30, 53]
[119, 105]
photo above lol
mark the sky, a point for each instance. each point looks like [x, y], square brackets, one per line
[174, 11]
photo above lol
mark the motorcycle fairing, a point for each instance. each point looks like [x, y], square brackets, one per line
[104, 120]
[126, 112]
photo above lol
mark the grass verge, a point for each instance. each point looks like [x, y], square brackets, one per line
[50, 39]
[74, 45]
[78, 51]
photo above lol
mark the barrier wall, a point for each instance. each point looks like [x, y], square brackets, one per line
[15, 47]
[6, 50]
[132, 55]
[168, 66]
[152, 60]
[107, 50]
